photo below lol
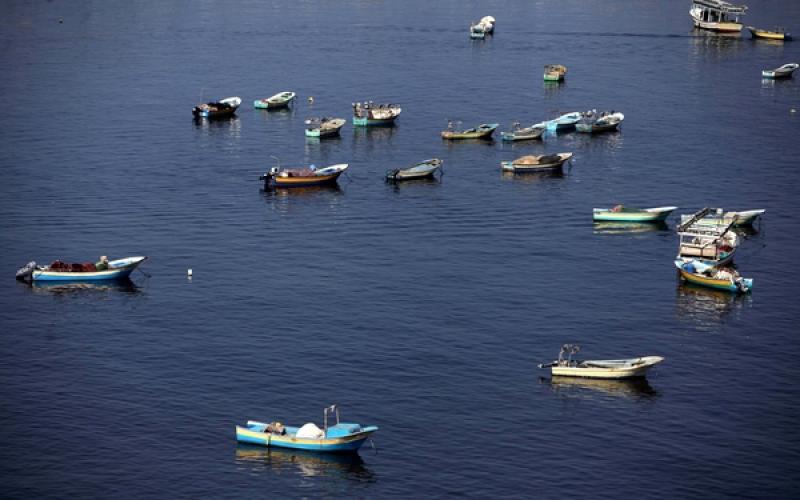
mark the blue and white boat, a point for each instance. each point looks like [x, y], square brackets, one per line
[339, 438]
[60, 271]
[563, 123]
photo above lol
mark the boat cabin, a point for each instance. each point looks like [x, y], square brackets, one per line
[716, 11]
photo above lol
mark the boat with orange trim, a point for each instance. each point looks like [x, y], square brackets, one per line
[303, 176]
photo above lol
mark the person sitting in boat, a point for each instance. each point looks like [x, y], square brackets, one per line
[276, 428]
[617, 208]
[102, 265]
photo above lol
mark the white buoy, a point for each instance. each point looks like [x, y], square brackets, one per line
[189, 272]
[792, 110]
[310, 99]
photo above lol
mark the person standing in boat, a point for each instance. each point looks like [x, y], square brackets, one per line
[102, 265]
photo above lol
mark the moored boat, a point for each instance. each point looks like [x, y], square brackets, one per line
[280, 177]
[722, 278]
[593, 122]
[338, 438]
[324, 127]
[718, 217]
[716, 15]
[623, 213]
[784, 71]
[519, 133]
[554, 72]
[563, 123]
[279, 100]
[118, 269]
[776, 34]
[421, 170]
[482, 28]
[482, 131]
[367, 114]
[536, 163]
[712, 245]
[565, 366]
[217, 109]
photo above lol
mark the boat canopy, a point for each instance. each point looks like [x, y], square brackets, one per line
[719, 5]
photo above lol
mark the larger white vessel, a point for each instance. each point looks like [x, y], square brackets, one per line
[717, 15]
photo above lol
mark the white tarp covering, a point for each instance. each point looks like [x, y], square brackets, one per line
[310, 431]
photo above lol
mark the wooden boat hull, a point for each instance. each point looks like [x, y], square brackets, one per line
[122, 270]
[593, 128]
[342, 444]
[478, 134]
[710, 282]
[373, 122]
[605, 214]
[303, 181]
[202, 111]
[553, 77]
[768, 35]
[728, 27]
[636, 370]
[321, 133]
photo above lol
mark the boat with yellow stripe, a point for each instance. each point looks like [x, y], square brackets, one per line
[776, 34]
[602, 368]
[338, 438]
[721, 278]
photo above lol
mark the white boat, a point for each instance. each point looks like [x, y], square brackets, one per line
[716, 15]
[565, 366]
[717, 217]
[422, 170]
[711, 244]
[482, 28]
[784, 71]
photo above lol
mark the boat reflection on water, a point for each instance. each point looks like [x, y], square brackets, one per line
[398, 186]
[302, 191]
[306, 463]
[225, 123]
[629, 388]
[706, 305]
[371, 137]
[621, 227]
[125, 286]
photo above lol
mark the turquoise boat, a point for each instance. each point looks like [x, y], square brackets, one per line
[369, 114]
[563, 123]
[59, 271]
[623, 213]
[339, 438]
[279, 100]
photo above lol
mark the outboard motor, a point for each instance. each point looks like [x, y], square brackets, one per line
[26, 273]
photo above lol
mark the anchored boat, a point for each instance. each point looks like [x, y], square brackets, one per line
[337, 438]
[593, 122]
[536, 163]
[421, 170]
[623, 213]
[784, 71]
[601, 368]
[367, 114]
[718, 217]
[324, 127]
[217, 109]
[776, 34]
[279, 177]
[279, 100]
[712, 245]
[716, 15]
[482, 131]
[722, 278]
[554, 72]
[60, 271]
[519, 133]
[482, 28]
[563, 123]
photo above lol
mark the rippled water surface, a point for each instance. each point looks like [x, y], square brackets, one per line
[422, 308]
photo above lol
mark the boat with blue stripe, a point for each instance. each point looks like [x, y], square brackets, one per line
[338, 438]
[102, 271]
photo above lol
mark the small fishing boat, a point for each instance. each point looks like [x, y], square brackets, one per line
[421, 170]
[716, 15]
[563, 123]
[536, 163]
[338, 438]
[482, 28]
[554, 72]
[279, 177]
[519, 133]
[279, 100]
[784, 71]
[217, 109]
[718, 217]
[623, 213]
[565, 366]
[367, 114]
[482, 131]
[776, 34]
[324, 127]
[592, 122]
[713, 245]
[722, 278]
[60, 271]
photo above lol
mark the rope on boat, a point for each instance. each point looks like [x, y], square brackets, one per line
[371, 442]
[145, 274]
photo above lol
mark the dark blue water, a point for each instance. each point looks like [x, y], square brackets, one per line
[421, 308]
